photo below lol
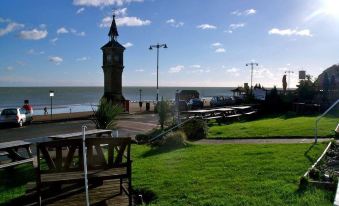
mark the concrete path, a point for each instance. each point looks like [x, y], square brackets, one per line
[258, 141]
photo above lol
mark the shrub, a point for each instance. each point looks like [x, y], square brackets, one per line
[314, 174]
[174, 139]
[163, 109]
[195, 129]
[303, 183]
[142, 138]
[106, 114]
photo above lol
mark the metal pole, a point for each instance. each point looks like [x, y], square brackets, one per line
[84, 152]
[140, 94]
[251, 78]
[158, 72]
[51, 109]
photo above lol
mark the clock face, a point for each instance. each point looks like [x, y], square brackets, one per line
[109, 58]
[116, 58]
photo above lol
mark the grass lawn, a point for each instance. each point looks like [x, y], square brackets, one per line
[274, 127]
[213, 175]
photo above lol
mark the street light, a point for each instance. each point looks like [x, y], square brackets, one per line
[140, 102]
[252, 64]
[150, 48]
[51, 94]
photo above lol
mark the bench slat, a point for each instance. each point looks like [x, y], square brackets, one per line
[12, 164]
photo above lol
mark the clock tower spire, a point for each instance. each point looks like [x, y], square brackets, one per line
[113, 66]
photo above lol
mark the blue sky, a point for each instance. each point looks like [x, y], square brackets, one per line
[57, 43]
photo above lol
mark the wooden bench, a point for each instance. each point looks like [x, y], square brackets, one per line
[15, 158]
[53, 172]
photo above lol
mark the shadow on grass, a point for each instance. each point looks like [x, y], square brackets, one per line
[143, 196]
[310, 159]
[162, 150]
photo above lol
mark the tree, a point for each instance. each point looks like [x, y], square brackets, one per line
[284, 82]
[106, 114]
[163, 110]
[326, 82]
[333, 83]
[306, 90]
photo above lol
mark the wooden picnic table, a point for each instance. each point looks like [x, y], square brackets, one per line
[79, 134]
[11, 150]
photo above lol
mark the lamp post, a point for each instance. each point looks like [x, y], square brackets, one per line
[140, 102]
[158, 46]
[252, 64]
[51, 94]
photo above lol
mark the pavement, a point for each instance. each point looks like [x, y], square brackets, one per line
[128, 125]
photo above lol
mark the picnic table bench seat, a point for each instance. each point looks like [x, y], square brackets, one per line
[108, 162]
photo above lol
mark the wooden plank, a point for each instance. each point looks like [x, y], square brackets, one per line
[69, 157]
[13, 144]
[79, 134]
[12, 164]
[47, 157]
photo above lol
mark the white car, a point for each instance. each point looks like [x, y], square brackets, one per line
[18, 116]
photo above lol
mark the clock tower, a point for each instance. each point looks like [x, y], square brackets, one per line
[113, 65]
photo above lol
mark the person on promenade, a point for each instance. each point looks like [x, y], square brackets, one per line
[28, 107]
[45, 111]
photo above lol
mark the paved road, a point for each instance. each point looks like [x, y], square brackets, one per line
[128, 125]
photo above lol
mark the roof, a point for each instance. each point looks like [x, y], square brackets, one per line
[113, 31]
[238, 89]
[113, 44]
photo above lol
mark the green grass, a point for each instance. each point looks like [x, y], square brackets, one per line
[274, 127]
[213, 175]
[228, 175]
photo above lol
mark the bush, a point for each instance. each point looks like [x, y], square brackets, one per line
[106, 114]
[303, 183]
[142, 138]
[195, 129]
[174, 139]
[314, 174]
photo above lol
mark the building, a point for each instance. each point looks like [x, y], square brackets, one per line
[113, 66]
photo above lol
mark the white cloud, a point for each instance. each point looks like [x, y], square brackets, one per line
[132, 21]
[33, 34]
[33, 52]
[10, 27]
[102, 3]
[120, 12]
[206, 26]
[124, 21]
[128, 44]
[290, 32]
[2, 20]
[79, 11]
[244, 13]
[82, 59]
[174, 23]
[139, 70]
[232, 70]
[9, 68]
[176, 69]
[216, 44]
[62, 30]
[196, 66]
[236, 26]
[55, 59]
[53, 41]
[220, 50]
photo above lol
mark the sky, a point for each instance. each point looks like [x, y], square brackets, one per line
[57, 43]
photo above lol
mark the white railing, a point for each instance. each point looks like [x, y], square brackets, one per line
[318, 119]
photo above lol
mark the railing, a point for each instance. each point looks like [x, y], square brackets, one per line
[318, 119]
[169, 130]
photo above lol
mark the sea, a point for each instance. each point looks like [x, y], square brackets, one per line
[79, 99]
